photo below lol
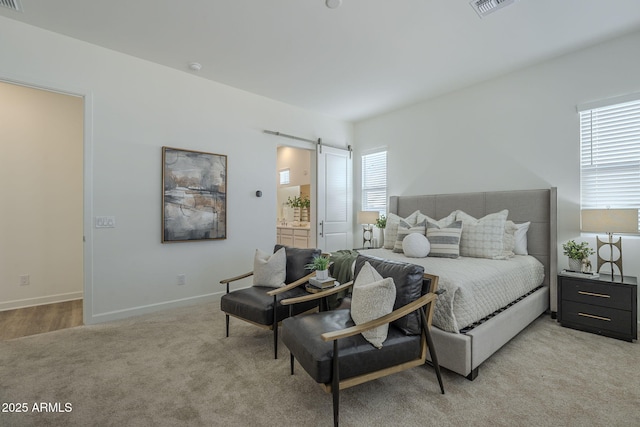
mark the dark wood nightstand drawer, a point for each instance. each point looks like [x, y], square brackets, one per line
[597, 318]
[601, 294]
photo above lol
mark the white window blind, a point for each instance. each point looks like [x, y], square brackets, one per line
[374, 182]
[285, 177]
[610, 156]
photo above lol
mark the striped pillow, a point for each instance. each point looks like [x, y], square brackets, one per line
[445, 241]
[404, 229]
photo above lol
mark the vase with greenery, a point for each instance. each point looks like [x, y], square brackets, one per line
[381, 223]
[296, 203]
[305, 204]
[576, 253]
[320, 265]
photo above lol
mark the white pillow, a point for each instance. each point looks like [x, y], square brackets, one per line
[416, 245]
[482, 238]
[440, 222]
[270, 269]
[372, 297]
[520, 239]
[404, 229]
[391, 229]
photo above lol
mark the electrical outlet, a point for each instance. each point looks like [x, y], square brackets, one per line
[24, 279]
[182, 279]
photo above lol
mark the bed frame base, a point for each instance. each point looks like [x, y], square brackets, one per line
[464, 353]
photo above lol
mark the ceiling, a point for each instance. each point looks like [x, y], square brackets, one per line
[363, 58]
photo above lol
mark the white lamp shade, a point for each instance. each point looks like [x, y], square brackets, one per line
[367, 217]
[610, 220]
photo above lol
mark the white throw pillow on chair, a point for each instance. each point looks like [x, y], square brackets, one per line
[270, 269]
[372, 297]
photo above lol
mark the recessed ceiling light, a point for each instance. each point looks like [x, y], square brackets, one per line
[195, 66]
[332, 4]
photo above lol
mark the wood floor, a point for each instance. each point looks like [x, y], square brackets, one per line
[39, 319]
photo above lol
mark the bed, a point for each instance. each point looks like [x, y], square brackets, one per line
[467, 339]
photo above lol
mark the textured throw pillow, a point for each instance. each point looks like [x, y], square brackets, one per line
[508, 239]
[270, 269]
[372, 297]
[404, 229]
[444, 241]
[391, 229]
[482, 238]
[520, 239]
[416, 245]
[439, 222]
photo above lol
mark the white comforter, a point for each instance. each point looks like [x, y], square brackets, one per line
[475, 287]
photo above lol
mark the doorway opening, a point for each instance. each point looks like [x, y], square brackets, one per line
[42, 138]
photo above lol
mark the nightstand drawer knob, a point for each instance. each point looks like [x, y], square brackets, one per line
[594, 294]
[594, 317]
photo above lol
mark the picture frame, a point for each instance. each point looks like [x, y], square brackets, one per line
[194, 195]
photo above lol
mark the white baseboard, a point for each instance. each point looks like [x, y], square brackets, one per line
[151, 308]
[31, 302]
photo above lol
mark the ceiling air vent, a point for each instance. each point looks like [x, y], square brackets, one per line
[11, 4]
[485, 7]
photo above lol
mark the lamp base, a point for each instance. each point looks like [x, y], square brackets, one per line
[602, 261]
[367, 235]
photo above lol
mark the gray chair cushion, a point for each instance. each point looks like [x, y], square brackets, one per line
[297, 258]
[255, 305]
[301, 334]
[410, 286]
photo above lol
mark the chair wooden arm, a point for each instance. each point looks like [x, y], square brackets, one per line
[292, 285]
[388, 318]
[233, 279]
[322, 294]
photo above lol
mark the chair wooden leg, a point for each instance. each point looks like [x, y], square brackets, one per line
[275, 340]
[432, 350]
[335, 385]
[291, 361]
[227, 320]
[275, 327]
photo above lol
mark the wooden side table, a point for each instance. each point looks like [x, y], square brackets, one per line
[599, 305]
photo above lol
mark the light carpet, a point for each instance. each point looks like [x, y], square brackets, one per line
[176, 368]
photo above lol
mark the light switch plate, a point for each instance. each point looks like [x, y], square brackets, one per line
[105, 222]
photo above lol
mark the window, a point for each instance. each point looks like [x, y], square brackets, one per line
[374, 181]
[610, 154]
[284, 177]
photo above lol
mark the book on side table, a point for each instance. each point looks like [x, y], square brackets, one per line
[329, 282]
[590, 275]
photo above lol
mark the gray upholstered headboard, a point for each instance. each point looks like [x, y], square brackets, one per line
[537, 206]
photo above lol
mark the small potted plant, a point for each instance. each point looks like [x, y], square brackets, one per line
[576, 253]
[320, 265]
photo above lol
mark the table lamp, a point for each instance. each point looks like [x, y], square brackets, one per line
[610, 221]
[367, 219]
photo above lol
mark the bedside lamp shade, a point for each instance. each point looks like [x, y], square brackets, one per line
[367, 217]
[610, 221]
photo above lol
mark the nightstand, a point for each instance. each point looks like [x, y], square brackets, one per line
[599, 305]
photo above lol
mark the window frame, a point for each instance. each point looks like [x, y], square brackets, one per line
[367, 187]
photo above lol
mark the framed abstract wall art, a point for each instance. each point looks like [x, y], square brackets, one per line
[194, 195]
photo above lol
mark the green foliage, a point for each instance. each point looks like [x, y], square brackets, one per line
[319, 263]
[577, 251]
[381, 222]
[299, 202]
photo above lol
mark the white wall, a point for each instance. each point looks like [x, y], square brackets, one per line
[134, 108]
[519, 131]
[41, 216]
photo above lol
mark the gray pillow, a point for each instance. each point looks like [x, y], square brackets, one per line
[445, 241]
